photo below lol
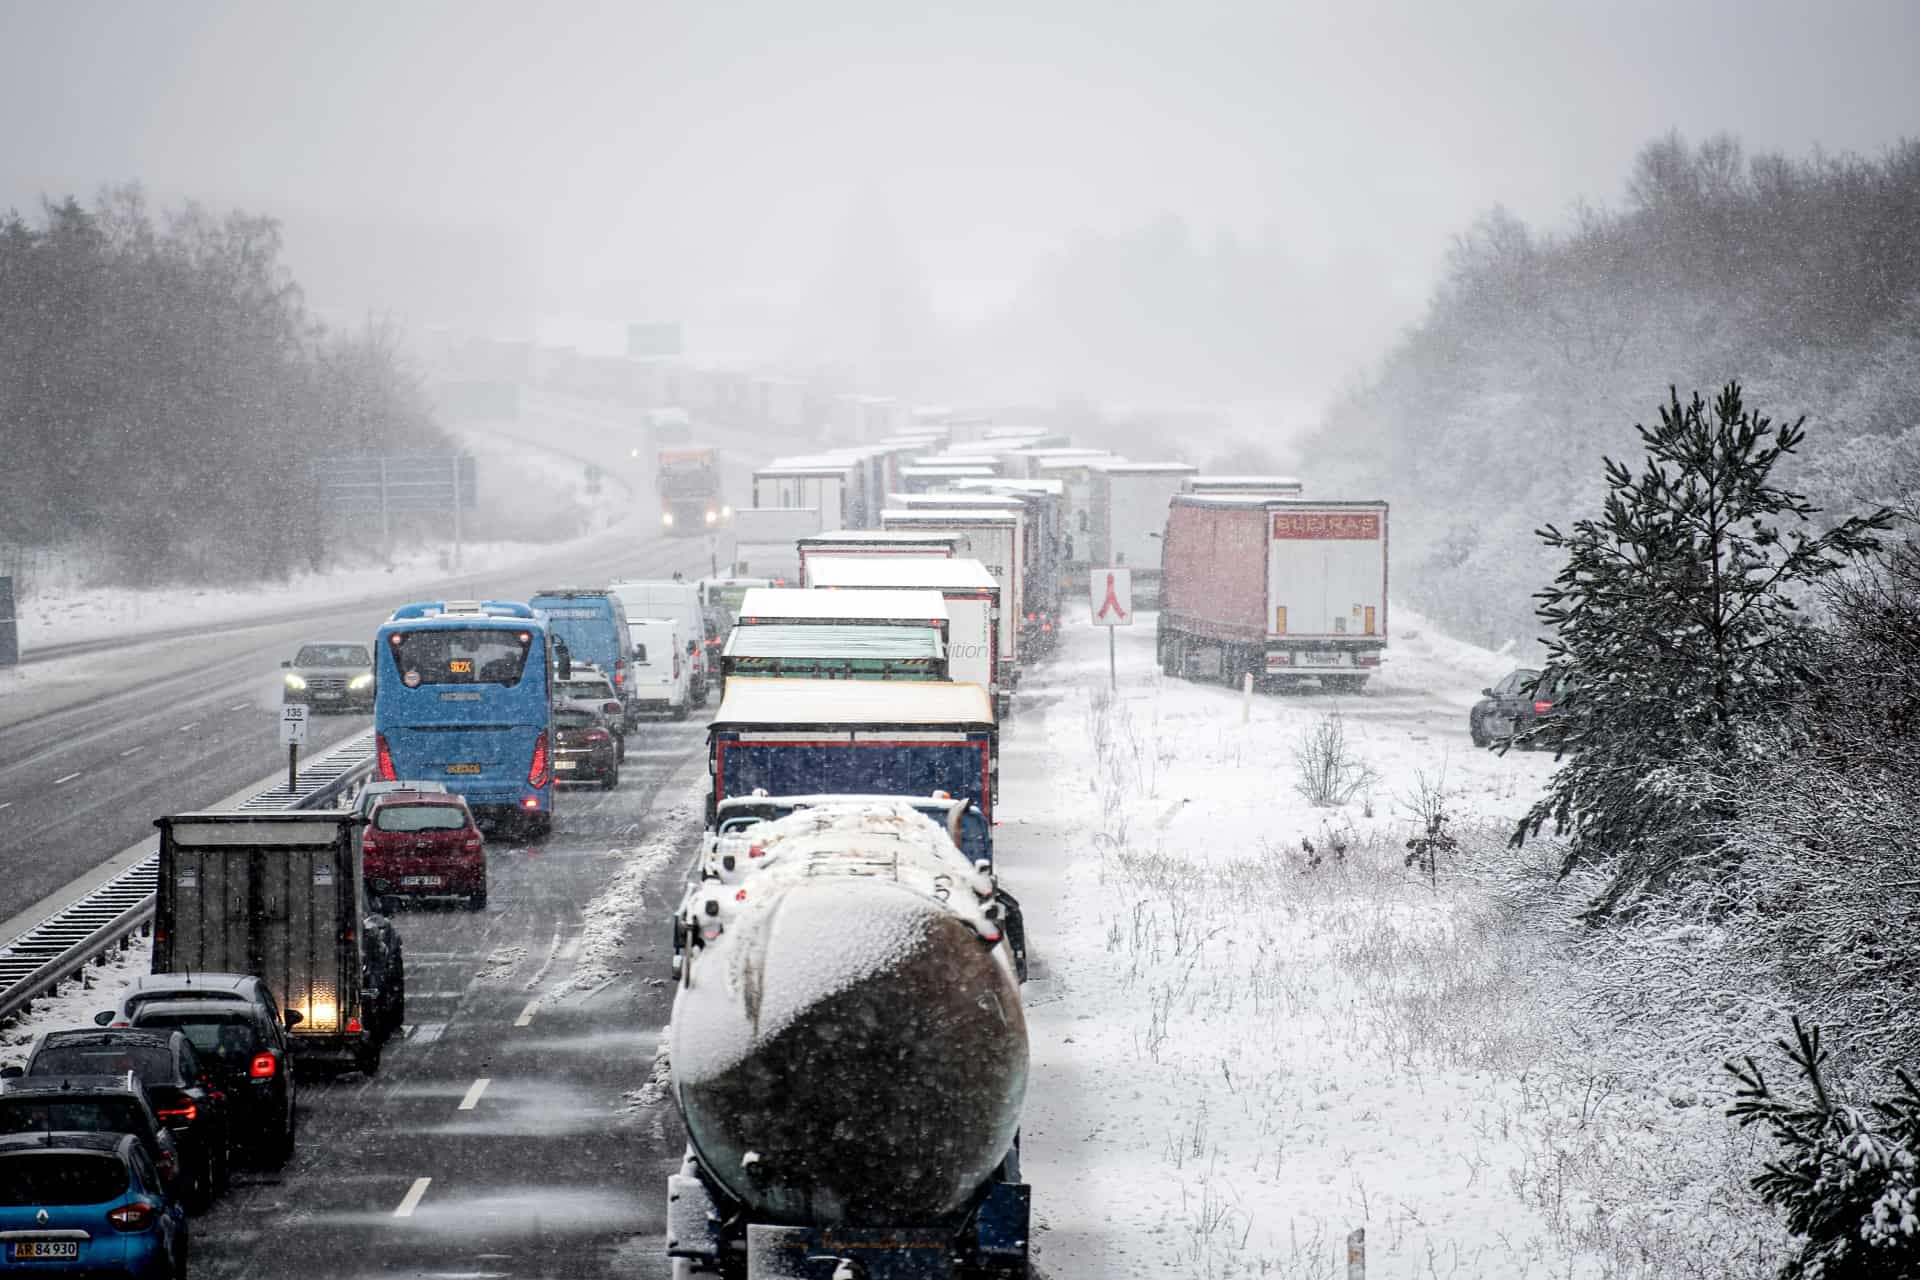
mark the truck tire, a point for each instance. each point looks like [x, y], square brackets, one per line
[367, 1060]
[1170, 656]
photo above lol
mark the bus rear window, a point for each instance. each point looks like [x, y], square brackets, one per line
[479, 655]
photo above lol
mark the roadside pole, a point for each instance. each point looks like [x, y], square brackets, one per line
[1110, 596]
[456, 511]
[386, 517]
[293, 734]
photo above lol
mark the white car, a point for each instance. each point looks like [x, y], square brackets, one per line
[661, 673]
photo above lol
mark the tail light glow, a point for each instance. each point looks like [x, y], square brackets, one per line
[383, 759]
[185, 1113]
[353, 1026]
[137, 1216]
[1541, 708]
[537, 771]
[264, 1066]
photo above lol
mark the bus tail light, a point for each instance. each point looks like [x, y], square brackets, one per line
[383, 759]
[537, 771]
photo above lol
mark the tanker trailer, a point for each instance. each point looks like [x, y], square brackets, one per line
[849, 1056]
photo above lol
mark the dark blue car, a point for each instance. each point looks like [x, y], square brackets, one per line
[87, 1203]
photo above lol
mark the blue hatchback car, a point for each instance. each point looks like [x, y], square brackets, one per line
[73, 1202]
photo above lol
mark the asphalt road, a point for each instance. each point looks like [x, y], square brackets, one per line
[167, 726]
[502, 1135]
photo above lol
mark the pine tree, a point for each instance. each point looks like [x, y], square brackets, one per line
[1676, 632]
[1849, 1177]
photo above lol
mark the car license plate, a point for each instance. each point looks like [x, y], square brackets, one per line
[463, 768]
[47, 1250]
[419, 882]
[565, 764]
[1321, 658]
[327, 695]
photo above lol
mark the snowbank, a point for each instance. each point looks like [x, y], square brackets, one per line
[1256, 1028]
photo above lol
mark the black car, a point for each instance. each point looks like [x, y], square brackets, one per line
[92, 1104]
[240, 1036]
[330, 675]
[584, 749]
[181, 1089]
[1515, 710]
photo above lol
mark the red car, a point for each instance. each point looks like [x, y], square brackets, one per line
[425, 844]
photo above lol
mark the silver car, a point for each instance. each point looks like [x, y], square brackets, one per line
[330, 675]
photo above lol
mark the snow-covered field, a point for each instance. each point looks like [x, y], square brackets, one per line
[1257, 1029]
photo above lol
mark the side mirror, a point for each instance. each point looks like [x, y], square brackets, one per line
[690, 648]
[103, 1017]
[287, 662]
[12, 1071]
[294, 1018]
[1486, 693]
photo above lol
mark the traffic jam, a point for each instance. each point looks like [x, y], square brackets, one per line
[855, 667]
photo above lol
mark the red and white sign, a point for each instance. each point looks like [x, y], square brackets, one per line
[1111, 596]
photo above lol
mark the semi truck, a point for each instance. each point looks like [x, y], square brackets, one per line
[845, 635]
[281, 896]
[1275, 588]
[1127, 504]
[994, 538]
[688, 482]
[888, 544]
[766, 541]
[858, 1118]
[879, 737]
[971, 595]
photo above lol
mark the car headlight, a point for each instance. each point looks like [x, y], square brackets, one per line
[726, 513]
[296, 681]
[666, 518]
[362, 681]
[712, 515]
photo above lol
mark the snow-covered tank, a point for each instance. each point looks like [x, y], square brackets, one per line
[848, 1046]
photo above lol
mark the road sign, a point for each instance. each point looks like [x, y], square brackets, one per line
[1111, 596]
[293, 724]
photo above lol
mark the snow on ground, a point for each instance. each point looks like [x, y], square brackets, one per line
[1256, 1028]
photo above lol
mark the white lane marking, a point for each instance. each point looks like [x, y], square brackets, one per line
[426, 1033]
[411, 1200]
[239, 706]
[473, 1093]
[69, 778]
[6, 804]
[526, 1014]
[435, 995]
[131, 751]
[185, 727]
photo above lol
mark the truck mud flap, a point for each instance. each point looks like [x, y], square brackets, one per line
[693, 1219]
[879, 1253]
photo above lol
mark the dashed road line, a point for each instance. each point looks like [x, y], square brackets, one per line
[69, 778]
[132, 751]
[239, 706]
[6, 804]
[472, 1099]
[411, 1200]
[526, 1014]
[186, 727]
[426, 1033]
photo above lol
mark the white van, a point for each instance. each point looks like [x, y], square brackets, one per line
[679, 600]
[660, 673]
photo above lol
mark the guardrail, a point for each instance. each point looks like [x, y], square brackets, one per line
[106, 919]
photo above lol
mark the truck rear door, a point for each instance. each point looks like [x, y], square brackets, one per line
[1327, 573]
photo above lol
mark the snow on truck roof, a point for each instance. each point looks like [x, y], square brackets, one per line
[928, 572]
[812, 640]
[1269, 500]
[1121, 466]
[751, 702]
[941, 517]
[1009, 484]
[1203, 483]
[791, 603]
[906, 537]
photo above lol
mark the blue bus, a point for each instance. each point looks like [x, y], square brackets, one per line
[462, 698]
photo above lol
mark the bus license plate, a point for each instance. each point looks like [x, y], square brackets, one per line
[565, 764]
[419, 882]
[43, 1250]
[463, 768]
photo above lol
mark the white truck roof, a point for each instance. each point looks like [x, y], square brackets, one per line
[984, 501]
[1040, 488]
[1120, 466]
[751, 701]
[860, 537]
[942, 516]
[931, 572]
[788, 603]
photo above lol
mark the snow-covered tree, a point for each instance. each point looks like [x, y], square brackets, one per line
[1676, 633]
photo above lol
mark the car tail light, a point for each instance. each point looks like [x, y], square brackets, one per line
[137, 1216]
[471, 844]
[383, 759]
[599, 735]
[264, 1066]
[1366, 660]
[537, 771]
[182, 1113]
[1541, 708]
[620, 671]
[353, 1026]
[611, 708]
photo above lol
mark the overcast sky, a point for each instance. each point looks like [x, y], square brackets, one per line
[607, 161]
